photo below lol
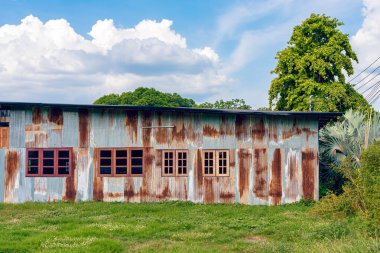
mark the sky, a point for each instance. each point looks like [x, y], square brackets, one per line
[66, 51]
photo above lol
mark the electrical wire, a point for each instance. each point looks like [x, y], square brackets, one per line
[363, 70]
[361, 86]
[367, 76]
[374, 86]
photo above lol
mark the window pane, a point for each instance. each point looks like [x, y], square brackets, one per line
[48, 162]
[211, 170]
[171, 170]
[48, 154]
[166, 170]
[137, 170]
[179, 162]
[105, 170]
[105, 153]
[121, 170]
[121, 153]
[171, 155]
[137, 153]
[63, 162]
[184, 170]
[33, 154]
[48, 170]
[63, 170]
[206, 155]
[32, 170]
[179, 155]
[63, 154]
[137, 161]
[121, 162]
[220, 154]
[211, 155]
[33, 162]
[184, 163]
[184, 155]
[105, 162]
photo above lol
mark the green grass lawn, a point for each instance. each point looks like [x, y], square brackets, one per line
[176, 227]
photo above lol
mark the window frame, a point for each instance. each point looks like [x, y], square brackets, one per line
[113, 162]
[175, 163]
[215, 160]
[55, 159]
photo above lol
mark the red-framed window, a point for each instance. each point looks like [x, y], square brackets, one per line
[48, 162]
[215, 163]
[120, 162]
[174, 162]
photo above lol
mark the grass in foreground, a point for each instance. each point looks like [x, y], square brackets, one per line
[176, 227]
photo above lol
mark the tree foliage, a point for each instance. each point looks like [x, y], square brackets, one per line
[311, 68]
[146, 97]
[151, 97]
[234, 104]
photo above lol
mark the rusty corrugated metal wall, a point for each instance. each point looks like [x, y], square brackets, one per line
[273, 160]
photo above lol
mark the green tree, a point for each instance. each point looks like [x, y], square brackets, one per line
[234, 104]
[146, 97]
[311, 69]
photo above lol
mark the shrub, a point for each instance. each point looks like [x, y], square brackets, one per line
[361, 193]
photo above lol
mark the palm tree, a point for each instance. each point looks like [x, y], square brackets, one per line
[348, 138]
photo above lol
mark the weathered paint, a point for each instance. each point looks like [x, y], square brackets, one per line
[4, 137]
[273, 160]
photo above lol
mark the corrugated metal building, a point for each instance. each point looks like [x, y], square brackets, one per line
[53, 152]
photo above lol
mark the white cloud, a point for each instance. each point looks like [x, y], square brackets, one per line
[366, 43]
[51, 62]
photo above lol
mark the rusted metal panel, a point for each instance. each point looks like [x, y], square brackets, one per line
[309, 158]
[275, 189]
[2, 174]
[4, 137]
[270, 157]
[261, 186]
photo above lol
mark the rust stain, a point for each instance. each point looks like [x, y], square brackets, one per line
[296, 130]
[308, 157]
[4, 137]
[210, 131]
[198, 182]
[12, 163]
[261, 173]
[114, 195]
[209, 195]
[227, 197]
[98, 181]
[292, 189]
[36, 116]
[84, 136]
[225, 127]
[165, 194]
[55, 116]
[241, 126]
[179, 130]
[232, 159]
[147, 132]
[131, 123]
[70, 186]
[145, 192]
[161, 133]
[129, 192]
[258, 131]
[273, 130]
[245, 159]
[276, 183]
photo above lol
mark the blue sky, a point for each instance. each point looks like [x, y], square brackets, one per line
[205, 50]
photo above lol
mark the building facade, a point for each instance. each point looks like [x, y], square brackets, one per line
[55, 152]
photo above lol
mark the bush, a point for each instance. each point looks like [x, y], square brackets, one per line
[361, 193]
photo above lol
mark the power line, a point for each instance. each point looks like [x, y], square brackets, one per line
[361, 86]
[374, 86]
[367, 75]
[363, 70]
[372, 94]
[375, 97]
[378, 96]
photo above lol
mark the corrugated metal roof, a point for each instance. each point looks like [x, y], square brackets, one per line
[322, 117]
